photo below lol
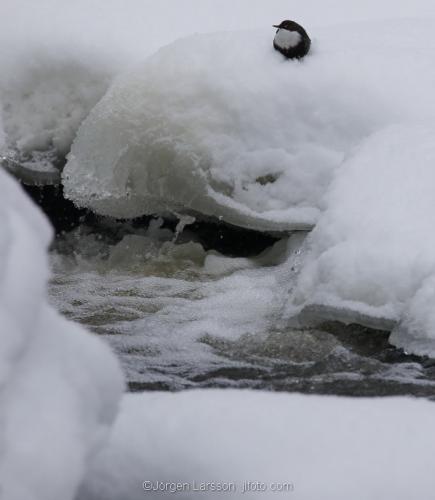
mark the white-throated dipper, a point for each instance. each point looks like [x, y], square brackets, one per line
[291, 40]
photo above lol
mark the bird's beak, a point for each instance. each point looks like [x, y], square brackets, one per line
[275, 25]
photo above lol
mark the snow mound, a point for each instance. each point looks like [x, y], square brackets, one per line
[372, 252]
[45, 94]
[326, 447]
[59, 387]
[224, 126]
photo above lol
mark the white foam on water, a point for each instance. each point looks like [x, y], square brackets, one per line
[158, 301]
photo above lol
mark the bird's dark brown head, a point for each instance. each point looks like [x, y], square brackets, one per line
[288, 25]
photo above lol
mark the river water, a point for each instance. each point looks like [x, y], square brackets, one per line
[181, 317]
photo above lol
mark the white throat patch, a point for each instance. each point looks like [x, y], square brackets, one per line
[286, 39]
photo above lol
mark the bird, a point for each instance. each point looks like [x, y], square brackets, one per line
[291, 40]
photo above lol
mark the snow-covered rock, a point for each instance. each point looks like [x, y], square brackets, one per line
[59, 386]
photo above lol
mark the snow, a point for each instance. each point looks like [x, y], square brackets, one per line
[46, 93]
[372, 250]
[342, 140]
[79, 46]
[59, 387]
[327, 447]
[2, 135]
[221, 125]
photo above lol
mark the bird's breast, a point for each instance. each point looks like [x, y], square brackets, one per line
[286, 39]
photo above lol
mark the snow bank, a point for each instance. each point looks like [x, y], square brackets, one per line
[45, 93]
[84, 43]
[223, 125]
[372, 252]
[329, 448]
[59, 386]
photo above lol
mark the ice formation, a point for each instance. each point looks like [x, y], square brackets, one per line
[59, 386]
[220, 125]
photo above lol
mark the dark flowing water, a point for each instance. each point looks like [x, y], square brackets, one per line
[180, 317]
